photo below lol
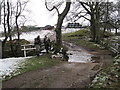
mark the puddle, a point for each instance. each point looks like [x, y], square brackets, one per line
[77, 56]
[84, 57]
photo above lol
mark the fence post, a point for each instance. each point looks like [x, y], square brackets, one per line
[24, 51]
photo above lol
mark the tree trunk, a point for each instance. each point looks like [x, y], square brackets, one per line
[106, 17]
[116, 31]
[18, 35]
[9, 29]
[11, 46]
[97, 23]
[5, 32]
[58, 34]
[3, 46]
[93, 30]
[17, 28]
[59, 25]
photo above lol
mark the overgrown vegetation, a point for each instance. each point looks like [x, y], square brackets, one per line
[108, 77]
[35, 63]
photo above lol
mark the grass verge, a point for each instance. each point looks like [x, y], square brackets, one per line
[35, 63]
[81, 38]
[40, 62]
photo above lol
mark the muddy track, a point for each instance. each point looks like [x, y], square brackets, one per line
[60, 76]
[65, 75]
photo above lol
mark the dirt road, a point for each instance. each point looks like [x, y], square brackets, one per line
[65, 75]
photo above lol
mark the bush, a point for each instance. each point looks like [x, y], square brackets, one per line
[16, 48]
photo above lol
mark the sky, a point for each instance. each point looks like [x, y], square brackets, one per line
[39, 15]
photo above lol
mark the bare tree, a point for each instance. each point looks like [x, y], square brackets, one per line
[110, 16]
[8, 25]
[61, 17]
[114, 17]
[7, 16]
[11, 14]
[19, 9]
[89, 11]
[1, 1]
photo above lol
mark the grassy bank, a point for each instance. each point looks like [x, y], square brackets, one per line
[81, 38]
[40, 62]
[35, 63]
[108, 77]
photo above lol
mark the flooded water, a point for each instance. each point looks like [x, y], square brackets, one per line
[85, 57]
[29, 36]
[79, 56]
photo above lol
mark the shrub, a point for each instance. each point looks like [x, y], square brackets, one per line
[16, 47]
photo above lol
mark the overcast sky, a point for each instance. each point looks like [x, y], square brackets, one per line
[39, 15]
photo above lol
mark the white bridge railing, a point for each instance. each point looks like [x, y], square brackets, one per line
[27, 47]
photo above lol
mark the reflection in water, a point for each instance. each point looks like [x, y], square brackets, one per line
[77, 56]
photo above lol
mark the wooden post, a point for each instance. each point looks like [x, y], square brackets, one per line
[25, 48]
[24, 52]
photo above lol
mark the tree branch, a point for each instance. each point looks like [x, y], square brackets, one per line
[54, 7]
[64, 13]
[85, 7]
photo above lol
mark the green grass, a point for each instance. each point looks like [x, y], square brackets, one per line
[80, 32]
[35, 63]
[40, 62]
[81, 38]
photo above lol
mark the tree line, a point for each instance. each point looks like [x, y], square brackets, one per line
[11, 12]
